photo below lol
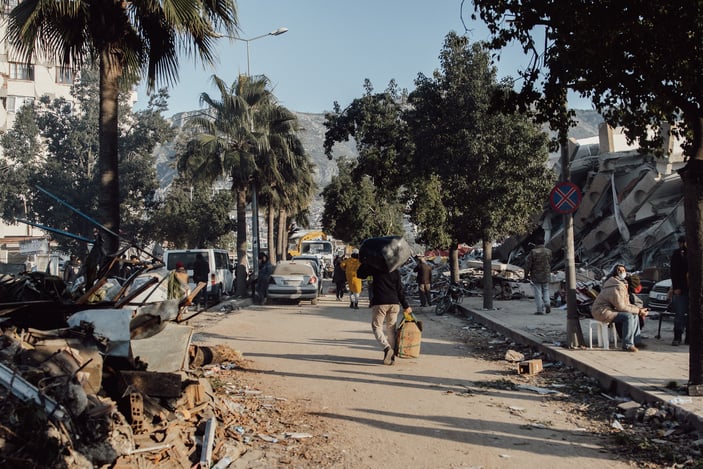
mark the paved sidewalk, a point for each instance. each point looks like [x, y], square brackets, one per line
[642, 376]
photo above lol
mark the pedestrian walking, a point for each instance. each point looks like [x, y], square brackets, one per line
[262, 280]
[201, 273]
[339, 278]
[424, 280]
[678, 293]
[538, 268]
[350, 267]
[388, 297]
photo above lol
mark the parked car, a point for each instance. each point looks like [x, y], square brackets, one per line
[293, 280]
[659, 296]
[316, 264]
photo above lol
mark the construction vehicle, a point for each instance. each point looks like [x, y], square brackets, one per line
[316, 243]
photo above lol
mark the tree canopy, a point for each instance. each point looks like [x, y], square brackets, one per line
[54, 145]
[465, 169]
[127, 40]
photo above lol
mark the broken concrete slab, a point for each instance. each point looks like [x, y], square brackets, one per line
[110, 323]
[166, 351]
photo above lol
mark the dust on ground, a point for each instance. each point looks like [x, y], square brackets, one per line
[277, 432]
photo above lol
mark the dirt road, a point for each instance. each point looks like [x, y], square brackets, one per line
[446, 409]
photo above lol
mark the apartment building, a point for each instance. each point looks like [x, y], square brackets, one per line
[22, 82]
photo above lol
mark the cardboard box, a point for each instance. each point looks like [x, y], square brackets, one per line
[529, 367]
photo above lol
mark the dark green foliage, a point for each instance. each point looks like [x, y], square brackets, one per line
[193, 215]
[353, 212]
[640, 63]
[465, 169]
[375, 122]
[67, 167]
[17, 164]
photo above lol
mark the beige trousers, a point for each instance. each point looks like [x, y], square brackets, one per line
[383, 324]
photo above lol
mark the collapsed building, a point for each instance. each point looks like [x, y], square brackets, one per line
[631, 210]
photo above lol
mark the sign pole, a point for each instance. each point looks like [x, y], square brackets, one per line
[566, 198]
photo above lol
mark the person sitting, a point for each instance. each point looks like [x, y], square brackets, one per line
[612, 305]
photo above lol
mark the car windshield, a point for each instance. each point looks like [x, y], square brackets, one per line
[292, 269]
[317, 248]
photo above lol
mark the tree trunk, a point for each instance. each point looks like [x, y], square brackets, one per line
[487, 274]
[454, 262]
[242, 263]
[282, 250]
[109, 199]
[270, 231]
[692, 177]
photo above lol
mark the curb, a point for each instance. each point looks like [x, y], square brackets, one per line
[612, 384]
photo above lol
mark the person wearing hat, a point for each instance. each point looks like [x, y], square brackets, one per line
[678, 293]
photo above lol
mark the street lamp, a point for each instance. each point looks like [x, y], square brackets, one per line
[254, 204]
[277, 32]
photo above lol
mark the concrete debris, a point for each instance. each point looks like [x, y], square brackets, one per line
[631, 210]
[513, 356]
[94, 408]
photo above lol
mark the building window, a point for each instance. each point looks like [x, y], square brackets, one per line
[14, 103]
[64, 75]
[8, 5]
[20, 71]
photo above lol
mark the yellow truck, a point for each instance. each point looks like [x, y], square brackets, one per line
[312, 242]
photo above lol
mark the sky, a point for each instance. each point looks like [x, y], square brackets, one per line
[331, 47]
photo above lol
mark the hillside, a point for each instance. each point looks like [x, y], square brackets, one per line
[312, 134]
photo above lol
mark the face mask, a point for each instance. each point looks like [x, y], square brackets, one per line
[622, 275]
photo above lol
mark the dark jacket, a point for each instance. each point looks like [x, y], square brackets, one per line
[387, 287]
[339, 276]
[679, 270]
[201, 269]
[424, 273]
[538, 264]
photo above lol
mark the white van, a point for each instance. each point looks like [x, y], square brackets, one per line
[218, 259]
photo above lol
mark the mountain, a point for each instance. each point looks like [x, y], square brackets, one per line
[312, 135]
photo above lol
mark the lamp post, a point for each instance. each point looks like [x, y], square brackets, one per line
[254, 204]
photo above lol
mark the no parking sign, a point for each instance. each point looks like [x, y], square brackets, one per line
[565, 197]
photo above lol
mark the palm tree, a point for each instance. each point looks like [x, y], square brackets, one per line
[296, 198]
[280, 166]
[226, 144]
[128, 39]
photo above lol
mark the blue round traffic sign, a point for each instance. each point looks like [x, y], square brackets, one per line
[565, 197]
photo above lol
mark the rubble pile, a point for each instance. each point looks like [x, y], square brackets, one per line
[63, 406]
[106, 375]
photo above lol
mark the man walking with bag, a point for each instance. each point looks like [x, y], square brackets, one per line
[387, 297]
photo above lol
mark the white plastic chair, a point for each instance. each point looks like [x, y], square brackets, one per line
[602, 329]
